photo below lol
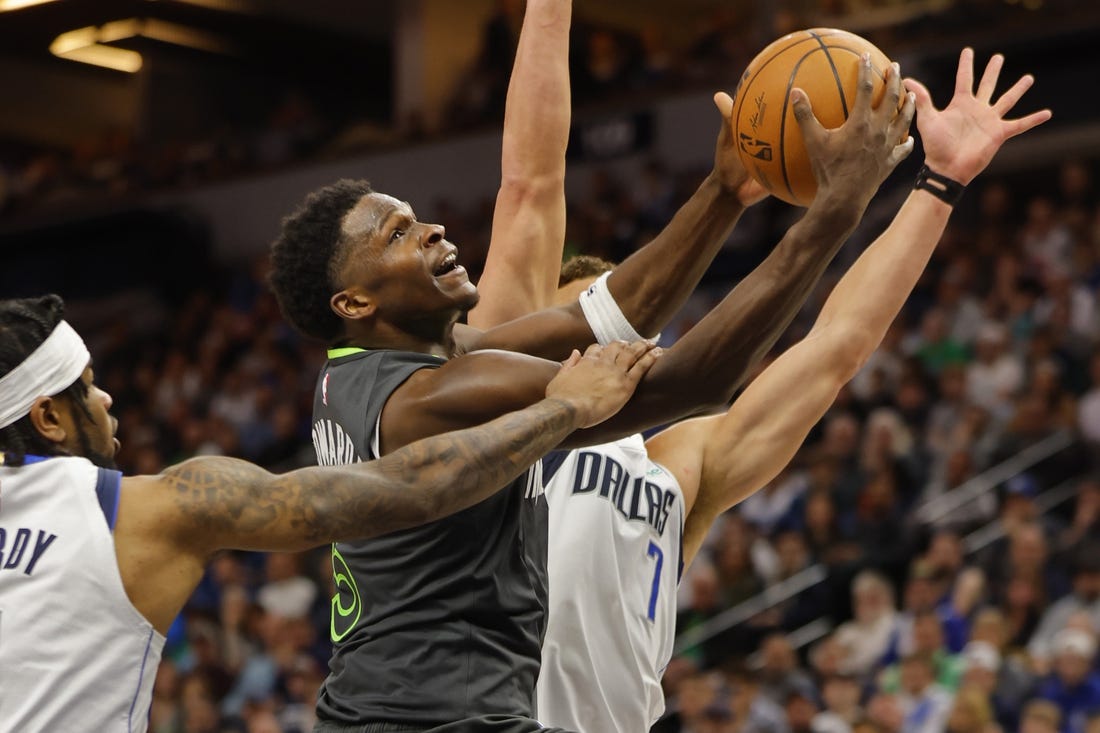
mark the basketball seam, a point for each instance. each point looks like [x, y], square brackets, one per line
[745, 83]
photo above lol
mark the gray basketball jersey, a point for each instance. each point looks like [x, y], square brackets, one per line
[439, 622]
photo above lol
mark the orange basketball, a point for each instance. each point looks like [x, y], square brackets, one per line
[823, 62]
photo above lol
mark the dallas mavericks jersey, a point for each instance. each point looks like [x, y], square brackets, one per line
[440, 622]
[616, 524]
[75, 655]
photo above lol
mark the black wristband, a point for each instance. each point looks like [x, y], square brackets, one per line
[942, 187]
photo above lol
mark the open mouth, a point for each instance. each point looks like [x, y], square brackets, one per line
[446, 265]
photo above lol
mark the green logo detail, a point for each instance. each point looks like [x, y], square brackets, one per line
[344, 617]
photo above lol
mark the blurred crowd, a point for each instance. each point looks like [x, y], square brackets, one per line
[609, 64]
[973, 615]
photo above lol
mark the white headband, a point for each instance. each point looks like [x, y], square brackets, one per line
[49, 370]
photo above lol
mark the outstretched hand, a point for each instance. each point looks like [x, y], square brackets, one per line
[851, 161]
[727, 163]
[601, 381]
[961, 139]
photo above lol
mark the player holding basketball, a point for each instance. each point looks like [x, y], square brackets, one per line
[95, 566]
[454, 612]
[612, 606]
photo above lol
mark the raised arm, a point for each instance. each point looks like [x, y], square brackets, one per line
[170, 524]
[850, 163]
[705, 367]
[746, 448]
[521, 269]
[652, 284]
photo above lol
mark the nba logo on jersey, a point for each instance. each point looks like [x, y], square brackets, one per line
[324, 390]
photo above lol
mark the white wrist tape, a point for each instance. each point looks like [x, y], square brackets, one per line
[604, 316]
[50, 369]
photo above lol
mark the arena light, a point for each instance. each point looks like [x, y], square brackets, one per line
[88, 45]
[6, 5]
[91, 44]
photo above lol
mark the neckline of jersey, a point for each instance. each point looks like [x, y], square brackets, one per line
[344, 351]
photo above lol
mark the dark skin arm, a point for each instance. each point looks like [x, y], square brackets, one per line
[652, 284]
[705, 367]
[170, 524]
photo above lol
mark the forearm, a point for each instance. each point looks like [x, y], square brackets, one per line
[706, 366]
[713, 358]
[438, 476]
[521, 269]
[222, 503]
[652, 284]
[871, 294]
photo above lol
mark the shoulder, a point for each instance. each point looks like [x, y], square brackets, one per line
[502, 372]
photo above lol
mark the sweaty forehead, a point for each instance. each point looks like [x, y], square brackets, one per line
[371, 212]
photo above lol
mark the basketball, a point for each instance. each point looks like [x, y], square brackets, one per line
[824, 63]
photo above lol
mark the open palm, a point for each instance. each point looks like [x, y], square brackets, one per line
[961, 139]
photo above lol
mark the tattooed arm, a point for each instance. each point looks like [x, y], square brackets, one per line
[244, 507]
[170, 524]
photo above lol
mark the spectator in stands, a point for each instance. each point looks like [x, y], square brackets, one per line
[936, 511]
[875, 627]
[926, 705]
[1086, 519]
[1041, 716]
[970, 712]
[996, 375]
[1073, 686]
[1085, 597]
[886, 712]
[801, 709]
[1088, 412]
[840, 696]
[935, 348]
[1024, 556]
[927, 641]
[779, 673]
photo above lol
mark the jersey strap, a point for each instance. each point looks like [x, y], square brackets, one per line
[107, 486]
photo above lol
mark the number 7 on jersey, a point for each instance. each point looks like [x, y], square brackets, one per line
[655, 551]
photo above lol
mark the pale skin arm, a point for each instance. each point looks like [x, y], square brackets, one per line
[721, 460]
[521, 269]
[170, 524]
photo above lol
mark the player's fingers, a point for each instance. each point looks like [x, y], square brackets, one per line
[865, 86]
[632, 352]
[594, 351]
[891, 98]
[901, 151]
[989, 78]
[1009, 99]
[573, 360]
[724, 103]
[804, 113]
[640, 367]
[899, 127]
[1015, 127]
[964, 77]
[922, 97]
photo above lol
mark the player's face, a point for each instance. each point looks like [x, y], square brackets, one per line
[89, 428]
[407, 268]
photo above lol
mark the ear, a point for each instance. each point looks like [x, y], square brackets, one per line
[49, 419]
[352, 305]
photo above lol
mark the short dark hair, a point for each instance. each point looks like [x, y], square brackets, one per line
[582, 266]
[305, 257]
[24, 325]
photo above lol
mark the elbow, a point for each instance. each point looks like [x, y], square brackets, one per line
[525, 187]
[849, 349]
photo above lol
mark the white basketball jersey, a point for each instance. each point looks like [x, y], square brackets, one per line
[75, 655]
[616, 523]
